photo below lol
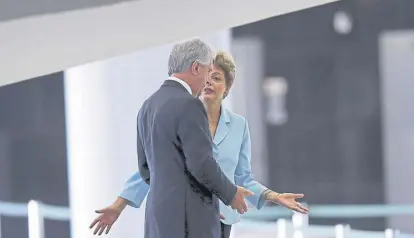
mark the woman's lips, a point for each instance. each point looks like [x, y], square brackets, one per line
[208, 90]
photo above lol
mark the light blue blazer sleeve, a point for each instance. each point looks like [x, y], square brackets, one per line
[244, 176]
[135, 189]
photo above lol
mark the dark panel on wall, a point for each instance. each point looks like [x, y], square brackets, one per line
[330, 149]
[57, 229]
[14, 227]
[33, 145]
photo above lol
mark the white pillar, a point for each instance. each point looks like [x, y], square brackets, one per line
[397, 97]
[247, 92]
[102, 101]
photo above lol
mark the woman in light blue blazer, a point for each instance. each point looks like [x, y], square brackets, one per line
[232, 150]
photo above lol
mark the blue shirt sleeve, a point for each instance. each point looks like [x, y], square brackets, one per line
[244, 176]
[135, 190]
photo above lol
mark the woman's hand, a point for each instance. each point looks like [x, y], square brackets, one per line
[108, 216]
[288, 200]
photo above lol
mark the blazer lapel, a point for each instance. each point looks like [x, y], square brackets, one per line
[223, 127]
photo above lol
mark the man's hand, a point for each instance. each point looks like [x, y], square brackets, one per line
[238, 202]
[288, 200]
[108, 216]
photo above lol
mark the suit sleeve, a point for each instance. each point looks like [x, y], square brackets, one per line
[142, 158]
[244, 176]
[198, 152]
[135, 190]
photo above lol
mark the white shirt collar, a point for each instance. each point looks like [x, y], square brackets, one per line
[185, 85]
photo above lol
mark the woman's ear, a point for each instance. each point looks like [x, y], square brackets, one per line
[225, 93]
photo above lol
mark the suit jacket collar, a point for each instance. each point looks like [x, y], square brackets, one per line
[182, 82]
[173, 83]
[223, 127]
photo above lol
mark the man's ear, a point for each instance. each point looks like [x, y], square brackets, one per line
[195, 68]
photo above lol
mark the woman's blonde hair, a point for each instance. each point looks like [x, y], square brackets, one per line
[225, 61]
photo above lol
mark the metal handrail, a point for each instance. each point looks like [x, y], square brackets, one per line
[52, 212]
[335, 211]
[37, 212]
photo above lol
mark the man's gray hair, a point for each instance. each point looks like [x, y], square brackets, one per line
[184, 54]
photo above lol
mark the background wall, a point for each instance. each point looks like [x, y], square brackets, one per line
[331, 147]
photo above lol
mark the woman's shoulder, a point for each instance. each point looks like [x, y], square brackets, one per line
[235, 118]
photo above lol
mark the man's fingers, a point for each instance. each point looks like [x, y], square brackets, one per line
[244, 206]
[240, 207]
[247, 193]
[222, 216]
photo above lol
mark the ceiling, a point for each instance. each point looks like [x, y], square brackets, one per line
[42, 44]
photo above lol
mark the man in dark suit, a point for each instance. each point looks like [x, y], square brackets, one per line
[175, 153]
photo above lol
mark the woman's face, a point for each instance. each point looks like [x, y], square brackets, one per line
[216, 85]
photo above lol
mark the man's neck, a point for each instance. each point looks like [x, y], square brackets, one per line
[187, 80]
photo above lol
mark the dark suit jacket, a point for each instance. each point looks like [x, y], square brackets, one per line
[175, 158]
